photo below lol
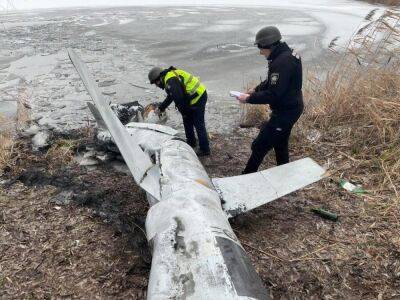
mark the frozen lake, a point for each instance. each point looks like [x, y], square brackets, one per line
[122, 43]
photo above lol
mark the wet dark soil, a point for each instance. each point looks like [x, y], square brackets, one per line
[73, 232]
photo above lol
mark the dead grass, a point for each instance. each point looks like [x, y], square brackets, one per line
[61, 153]
[351, 125]
[385, 2]
[252, 115]
[356, 108]
[22, 118]
[89, 249]
[6, 142]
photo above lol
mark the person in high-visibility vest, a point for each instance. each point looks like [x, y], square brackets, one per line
[190, 97]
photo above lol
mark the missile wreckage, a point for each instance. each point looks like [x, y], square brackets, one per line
[195, 253]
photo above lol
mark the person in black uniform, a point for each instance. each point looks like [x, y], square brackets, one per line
[190, 98]
[282, 90]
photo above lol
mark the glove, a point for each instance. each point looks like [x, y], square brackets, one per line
[160, 108]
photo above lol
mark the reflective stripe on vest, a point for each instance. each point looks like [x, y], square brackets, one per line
[191, 83]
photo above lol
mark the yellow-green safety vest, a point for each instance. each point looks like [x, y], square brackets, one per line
[191, 83]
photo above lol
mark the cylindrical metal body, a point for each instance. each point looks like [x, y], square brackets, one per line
[196, 255]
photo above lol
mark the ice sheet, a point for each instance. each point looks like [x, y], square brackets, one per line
[221, 28]
[34, 66]
[340, 17]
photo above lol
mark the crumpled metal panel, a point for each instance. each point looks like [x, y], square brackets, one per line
[148, 136]
[245, 192]
[196, 254]
[150, 141]
[138, 162]
[153, 127]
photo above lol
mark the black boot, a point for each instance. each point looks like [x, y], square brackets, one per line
[203, 153]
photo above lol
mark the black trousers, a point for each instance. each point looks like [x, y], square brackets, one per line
[275, 134]
[194, 118]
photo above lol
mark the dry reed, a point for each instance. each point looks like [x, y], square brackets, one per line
[6, 142]
[252, 115]
[385, 2]
[23, 107]
[356, 106]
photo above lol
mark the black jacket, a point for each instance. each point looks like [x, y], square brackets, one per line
[175, 92]
[282, 88]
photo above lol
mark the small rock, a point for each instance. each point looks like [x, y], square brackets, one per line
[5, 66]
[88, 161]
[60, 105]
[40, 140]
[108, 82]
[79, 88]
[89, 154]
[44, 121]
[121, 167]
[4, 182]
[105, 157]
[32, 130]
[63, 198]
[109, 93]
[314, 135]
[105, 136]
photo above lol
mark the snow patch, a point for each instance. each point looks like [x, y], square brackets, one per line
[187, 24]
[221, 28]
[8, 25]
[125, 21]
[232, 22]
[105, 22]
[90, 33]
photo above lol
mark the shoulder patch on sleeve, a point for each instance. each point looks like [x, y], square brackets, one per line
[274, 78]
[294, 53]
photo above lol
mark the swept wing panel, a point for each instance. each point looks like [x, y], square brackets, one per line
[246, 192]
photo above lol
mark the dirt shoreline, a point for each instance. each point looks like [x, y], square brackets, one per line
[93, 245]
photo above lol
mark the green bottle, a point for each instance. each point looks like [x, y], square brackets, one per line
[325, 214]
[351, 187]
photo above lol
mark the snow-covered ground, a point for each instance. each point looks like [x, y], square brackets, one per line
[121, 44]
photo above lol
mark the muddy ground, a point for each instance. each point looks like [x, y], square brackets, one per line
[89, 242]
